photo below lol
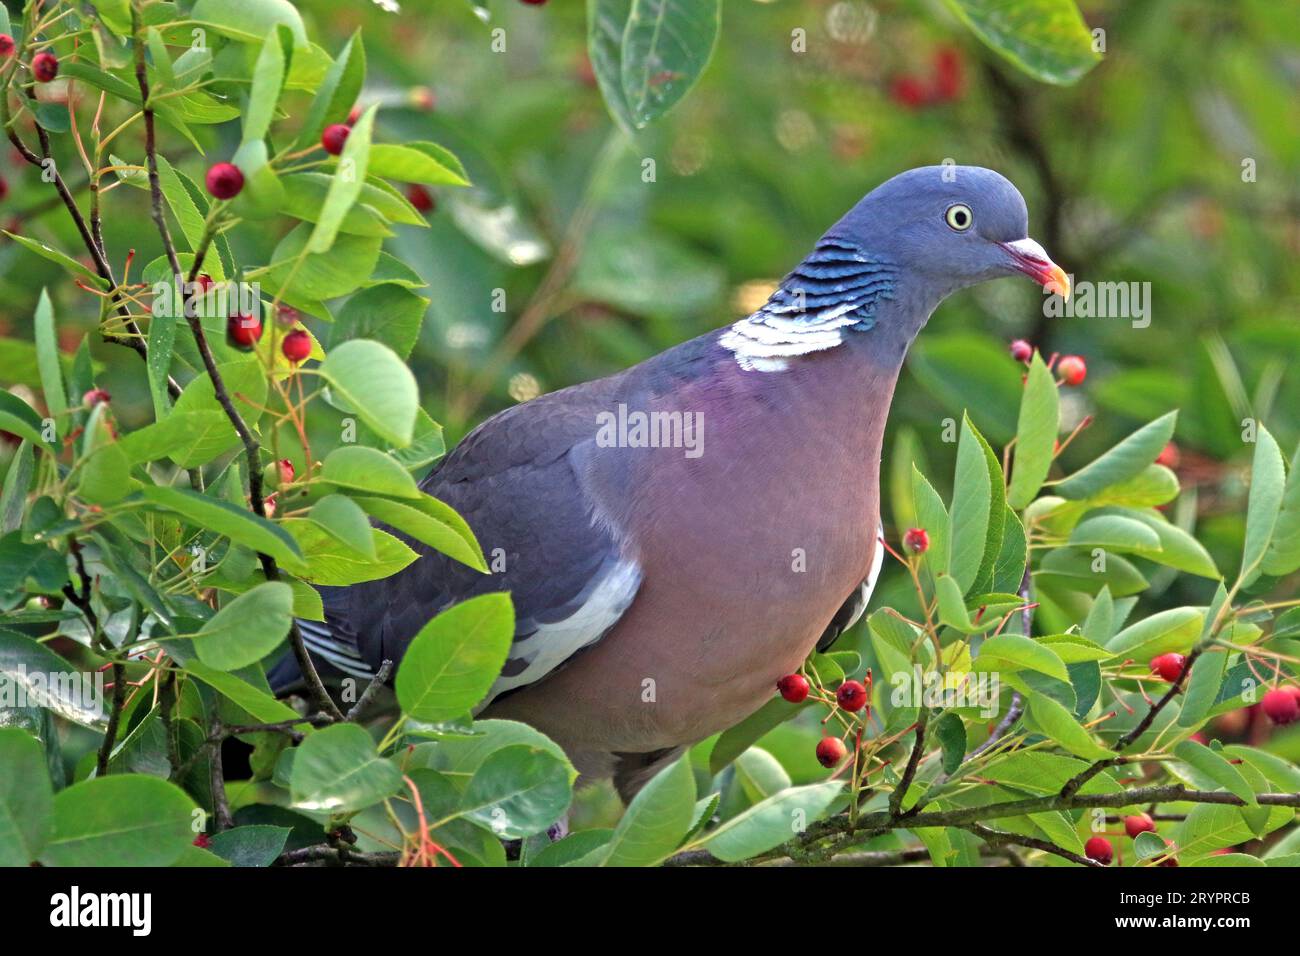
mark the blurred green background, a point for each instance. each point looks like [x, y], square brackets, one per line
[599, 250]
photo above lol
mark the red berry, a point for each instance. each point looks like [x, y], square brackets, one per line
[1280, 706]
[286, 315]
[6, 45]
[1073, 369]
[296, 345]
[947, 74]
[1021, 350]
[1168, 861]
[830, 751]
[334, 136]
[204, 282]
[225, 180]
[1139, 823]
[916, 540]
[909, 91]
[1099, 849]
[420, 198]
[794, 688]
[1169, 456]
[533, 3]
[286, 470]
[851, 695]
[1168, 666]
[243, 331]
[4, 187]
[45, 67]
[202, 841]
[354, 114]
[94, 397]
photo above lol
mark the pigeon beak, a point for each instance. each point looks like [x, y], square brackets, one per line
[1030, 258]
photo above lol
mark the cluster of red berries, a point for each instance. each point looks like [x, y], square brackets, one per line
[1073, 368]
[851, 695]
[943, 85]
[1100, 849]
[243, 331]
[45, 65]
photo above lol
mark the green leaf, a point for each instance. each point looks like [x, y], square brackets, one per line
[226, 519]
[248, 628]
[26, 798]
[736, 740]
[387, 313]
[417, 162]
[776, 820]
[1178, 549]
[337, 93]
[358, 468]
[1267, 483]
[1115, 532]
[1013, 652]
[657, 819]
[951, 734]
[344, 520]
[332, 563]
[248, 21]
[70, 264]
[338, 770]
[971, 498]
[952, 609]
[1215, 767]
[1283, 554]
[30, 566]
[345, 186]
[606, 20]
[666, 46]
[257, 703]
[262, 196]
[47, 357]
[162, 340]
[932, 516]
[1036, 430]
[373, 381]
[122, 820]
[518, 791]
[1173, 629]
[429, 520]
[453, 661]
[1053, 720]
[17, 481]
[1048, 39]
[24, 665]
[187, 213]
[1206, 678]
[257, 845]
[1124, 461]
[18, 417]
[268, 78]
[186, 437]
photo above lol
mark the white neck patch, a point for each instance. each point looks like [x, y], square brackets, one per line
[837, 288]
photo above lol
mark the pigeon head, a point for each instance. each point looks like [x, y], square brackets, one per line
[948, 227]
[911, 242]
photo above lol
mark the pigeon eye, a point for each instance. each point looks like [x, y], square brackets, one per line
[958, 217]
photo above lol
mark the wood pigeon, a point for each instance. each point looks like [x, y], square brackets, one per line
[678, 536]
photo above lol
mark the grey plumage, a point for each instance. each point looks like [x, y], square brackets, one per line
[656, 596]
